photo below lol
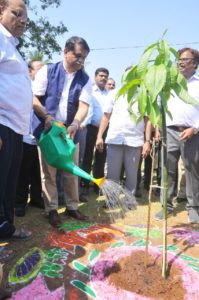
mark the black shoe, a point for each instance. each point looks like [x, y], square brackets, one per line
[54, 219]
[20, 211]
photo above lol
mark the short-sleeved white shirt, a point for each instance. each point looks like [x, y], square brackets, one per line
[15, 86]
[40, 85]
[184, 114]
[122, 128]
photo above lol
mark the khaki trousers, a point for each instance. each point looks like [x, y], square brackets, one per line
[49, 187]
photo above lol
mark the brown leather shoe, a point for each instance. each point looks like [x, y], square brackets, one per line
[54, 219]
[76, 214]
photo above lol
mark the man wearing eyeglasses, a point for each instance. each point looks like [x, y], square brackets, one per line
[15, 110]
[183, 137]
[62, 92]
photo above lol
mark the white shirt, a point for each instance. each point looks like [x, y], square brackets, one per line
[15, 85]
[184, 114]
[98, 101]
[122, 128]
[40, 85]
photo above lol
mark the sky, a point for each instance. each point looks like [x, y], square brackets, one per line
[118, 31]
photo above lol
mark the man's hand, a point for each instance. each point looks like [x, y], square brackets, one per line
[48, 122]
[100, 144]
[72, 129]
[186, 134]
[146, 149]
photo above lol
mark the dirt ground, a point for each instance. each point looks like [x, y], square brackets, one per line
[66, 265]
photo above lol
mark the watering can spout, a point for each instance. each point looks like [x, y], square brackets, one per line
[58, 150]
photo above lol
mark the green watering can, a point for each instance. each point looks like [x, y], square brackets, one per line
[58, 150]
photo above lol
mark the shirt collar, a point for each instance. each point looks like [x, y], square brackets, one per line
[7, 33]
[194, 76]
[97, 89]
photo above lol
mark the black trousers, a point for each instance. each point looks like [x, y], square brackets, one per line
[29, 176]
[10, 160]
[93, 155]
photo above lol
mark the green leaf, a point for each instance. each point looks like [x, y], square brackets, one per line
[184, 96]
[143, 63]
[164, 51]
[174, 52]
[124, 89]
[131, 92]
[130, 74]
[155, 80]
[142, 99]
[173, 74]
[182, 81]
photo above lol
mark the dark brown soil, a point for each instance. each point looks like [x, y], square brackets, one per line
[130, 274]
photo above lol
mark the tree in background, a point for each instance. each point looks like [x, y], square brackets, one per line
[41, 36]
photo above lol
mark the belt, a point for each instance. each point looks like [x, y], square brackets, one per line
[177, 128]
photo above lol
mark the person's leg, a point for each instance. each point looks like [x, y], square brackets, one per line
[70, 186]
[173, 154]
[10, 160]
[115, 154]
[49, 187]
[35, 179]
[181, 196]
[190, 156]
[131, 163]
[23, 182]
[71, 193]
[88, 155]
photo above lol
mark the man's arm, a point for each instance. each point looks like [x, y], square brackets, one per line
[79, 117]
[146, 147]
[103, 125]
[40, 110]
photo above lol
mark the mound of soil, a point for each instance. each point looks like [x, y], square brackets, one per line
[130, 274]
[121, 271]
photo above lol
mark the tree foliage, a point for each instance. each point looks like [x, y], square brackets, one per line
[153, 79]
[41, 35]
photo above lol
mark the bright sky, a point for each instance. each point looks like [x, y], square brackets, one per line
[124, 28]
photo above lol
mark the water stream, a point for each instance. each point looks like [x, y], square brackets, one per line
[118, 199]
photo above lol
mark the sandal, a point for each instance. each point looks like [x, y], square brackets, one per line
[5, 255]
[22, 234]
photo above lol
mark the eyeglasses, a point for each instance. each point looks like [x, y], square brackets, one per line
[19, 13]
[185, 59]
[79, 56]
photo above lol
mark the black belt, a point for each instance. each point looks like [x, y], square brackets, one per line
[177, 128]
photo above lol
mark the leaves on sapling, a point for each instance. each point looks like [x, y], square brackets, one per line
[143, 63]
[155, 80]
[142, 99]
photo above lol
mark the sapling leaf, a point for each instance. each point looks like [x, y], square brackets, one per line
[143, 63]
[124, 89]
[174, 52]
[155, 80]
[142, 99]
[181, 80]
[184, 95]
[173, 73]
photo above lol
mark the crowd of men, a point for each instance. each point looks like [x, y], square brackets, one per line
[102, 130]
